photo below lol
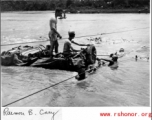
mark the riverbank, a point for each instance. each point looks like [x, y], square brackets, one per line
[85, 6]
[122, 10]
[92, 11]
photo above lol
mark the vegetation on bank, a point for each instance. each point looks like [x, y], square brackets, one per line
[79, 6]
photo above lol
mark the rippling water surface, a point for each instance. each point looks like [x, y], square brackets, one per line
[128, 85]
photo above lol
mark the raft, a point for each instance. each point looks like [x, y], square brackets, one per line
[39, 56]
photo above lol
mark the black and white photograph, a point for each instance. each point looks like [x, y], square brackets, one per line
[75, 53]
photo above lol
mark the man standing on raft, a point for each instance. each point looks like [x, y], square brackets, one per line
[53, 36]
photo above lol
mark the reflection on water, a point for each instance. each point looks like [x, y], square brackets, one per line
[128, 85]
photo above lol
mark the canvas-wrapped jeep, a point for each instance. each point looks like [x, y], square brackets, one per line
[39, 56]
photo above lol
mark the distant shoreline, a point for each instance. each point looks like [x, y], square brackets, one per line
[124, 10]
[91, 11]
[79, 6]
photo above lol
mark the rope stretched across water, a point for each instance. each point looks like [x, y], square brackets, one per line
[65, 79]
[77, 37]
[44, 89]
[37, 92]
[48, 87]
[46, 40]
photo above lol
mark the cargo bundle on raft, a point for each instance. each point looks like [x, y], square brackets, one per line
[39, 56]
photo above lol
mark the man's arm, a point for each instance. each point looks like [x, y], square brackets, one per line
[106, 60]
[80, 44]
[56, 32]
[74, 49]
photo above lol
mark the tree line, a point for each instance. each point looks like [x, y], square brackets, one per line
[24, 5]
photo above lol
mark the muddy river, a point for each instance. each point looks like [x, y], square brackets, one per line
[128, 85]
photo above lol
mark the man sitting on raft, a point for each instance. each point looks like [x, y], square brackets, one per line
[68, 50]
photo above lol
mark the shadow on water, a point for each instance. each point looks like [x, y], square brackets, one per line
[8, 70]
[83, 84]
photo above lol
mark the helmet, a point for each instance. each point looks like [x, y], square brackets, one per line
[121, 50]
[71, 34]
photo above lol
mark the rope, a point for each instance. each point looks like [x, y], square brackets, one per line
[131, 58]
[49, 86]
[102, 55]
[46, 40]
[38, 91]
[24, 43]
[44, 89]
[54, 61]
[124, 31]
[77, 37]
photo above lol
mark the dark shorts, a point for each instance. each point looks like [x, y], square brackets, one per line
[54, 45]
[69, 54]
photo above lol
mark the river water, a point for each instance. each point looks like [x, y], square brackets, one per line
[128, 85]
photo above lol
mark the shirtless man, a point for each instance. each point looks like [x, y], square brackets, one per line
[68, 50]
[53, 34]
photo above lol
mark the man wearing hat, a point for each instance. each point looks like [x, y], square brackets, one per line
[68, 49]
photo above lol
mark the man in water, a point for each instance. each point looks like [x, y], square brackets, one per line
[136, 57]
[68, 50]
[53, 34]
[112, 62]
